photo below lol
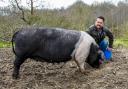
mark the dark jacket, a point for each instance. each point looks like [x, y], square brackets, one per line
[99, 35]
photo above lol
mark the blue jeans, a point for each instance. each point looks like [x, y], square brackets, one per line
[103, 46]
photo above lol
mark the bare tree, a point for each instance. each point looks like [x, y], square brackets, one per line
[22, 11]
[32, 8]
[16, 3]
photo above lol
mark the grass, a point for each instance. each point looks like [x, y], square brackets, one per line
[4, 44]
[121, 43]
[117, 43]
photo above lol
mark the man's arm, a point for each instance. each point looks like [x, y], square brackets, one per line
[111, 38]
[89, 29]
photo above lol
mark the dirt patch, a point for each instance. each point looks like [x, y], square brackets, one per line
[42, 75]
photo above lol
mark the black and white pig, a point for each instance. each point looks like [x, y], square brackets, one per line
[54, 45]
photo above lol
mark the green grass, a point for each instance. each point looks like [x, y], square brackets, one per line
[121, 43]
[4, 44]
[117, 43]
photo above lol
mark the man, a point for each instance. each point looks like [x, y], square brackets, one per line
[98, 31]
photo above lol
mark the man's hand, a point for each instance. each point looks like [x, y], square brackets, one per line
[110, 49]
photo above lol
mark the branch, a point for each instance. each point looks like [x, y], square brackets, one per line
[23, 13]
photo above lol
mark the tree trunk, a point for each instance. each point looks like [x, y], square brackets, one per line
[32, 9]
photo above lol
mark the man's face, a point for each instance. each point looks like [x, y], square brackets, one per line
[99, 23]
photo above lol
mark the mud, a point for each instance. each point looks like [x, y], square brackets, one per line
[42, 75]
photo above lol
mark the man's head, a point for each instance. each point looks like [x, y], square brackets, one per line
[99, 23]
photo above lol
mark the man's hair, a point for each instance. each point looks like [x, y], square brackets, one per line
[101, 17]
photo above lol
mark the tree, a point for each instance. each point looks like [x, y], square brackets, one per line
[24, 10]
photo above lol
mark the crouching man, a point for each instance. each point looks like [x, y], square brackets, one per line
[98, 31]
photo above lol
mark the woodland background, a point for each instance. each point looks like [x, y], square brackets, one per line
[78, 16]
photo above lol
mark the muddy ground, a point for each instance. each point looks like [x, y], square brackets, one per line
[39, 75]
